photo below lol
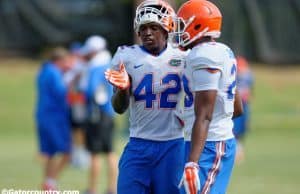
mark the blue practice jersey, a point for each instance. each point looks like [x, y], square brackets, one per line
[244, 84]
[51, 96]
[98, 89]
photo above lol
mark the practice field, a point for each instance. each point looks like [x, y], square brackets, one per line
[272, 146]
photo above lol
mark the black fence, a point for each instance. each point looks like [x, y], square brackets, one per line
[262, 30]
[33, 24]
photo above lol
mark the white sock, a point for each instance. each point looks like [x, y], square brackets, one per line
[51, 182]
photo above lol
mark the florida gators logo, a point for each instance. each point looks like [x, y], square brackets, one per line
[175, 62]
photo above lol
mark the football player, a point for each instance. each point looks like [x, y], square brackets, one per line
[245, 80]
[210, 85]
[146, 78]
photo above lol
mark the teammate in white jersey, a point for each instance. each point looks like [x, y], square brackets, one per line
[148, 81]
[209, 82]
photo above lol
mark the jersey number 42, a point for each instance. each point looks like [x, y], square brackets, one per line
[144, 91]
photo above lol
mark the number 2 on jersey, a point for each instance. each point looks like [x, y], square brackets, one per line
[231, 87]
[189, 98]
[144, 91]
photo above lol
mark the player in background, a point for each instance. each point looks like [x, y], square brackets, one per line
[80, 158]
[146, 78]
[245, 88]
[100, 120]
[52, 116]
[209, 82]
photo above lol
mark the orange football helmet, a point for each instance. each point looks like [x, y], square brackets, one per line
[157, 11]
[197, 19]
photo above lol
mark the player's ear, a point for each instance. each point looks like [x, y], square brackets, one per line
[139, 34]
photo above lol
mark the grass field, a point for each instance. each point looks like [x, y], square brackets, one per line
[272, 147]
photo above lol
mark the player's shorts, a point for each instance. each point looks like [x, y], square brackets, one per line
[148, 166]
[99, 135]
[240, 124]
[78, 117]
[76, 126]
[54, 137]
[216, 164]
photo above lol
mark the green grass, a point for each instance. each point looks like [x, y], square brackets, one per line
[272, 155]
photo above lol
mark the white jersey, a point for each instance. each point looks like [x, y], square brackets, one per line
[155, 91]
[212, 55]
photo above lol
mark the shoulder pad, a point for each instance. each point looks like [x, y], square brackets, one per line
[123, 54]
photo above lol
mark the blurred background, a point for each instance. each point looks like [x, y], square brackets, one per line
[265, 32]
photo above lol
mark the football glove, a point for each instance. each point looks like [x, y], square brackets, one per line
[119, 79]
[190, 178]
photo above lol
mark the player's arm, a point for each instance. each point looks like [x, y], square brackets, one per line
[204, 107]
[57, 86]
[206, 83]
[120, 80]
[205, 87]
[238, 105]
[120, 100]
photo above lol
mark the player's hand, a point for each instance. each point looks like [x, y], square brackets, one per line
[119, 79]
[190, 178]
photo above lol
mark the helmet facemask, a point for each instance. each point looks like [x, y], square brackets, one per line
[151, 11]
[181, 36]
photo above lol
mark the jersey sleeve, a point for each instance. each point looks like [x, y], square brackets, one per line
[208, 56]
[204, 63]
[205, 80]
[121, 56]
[117, 59]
